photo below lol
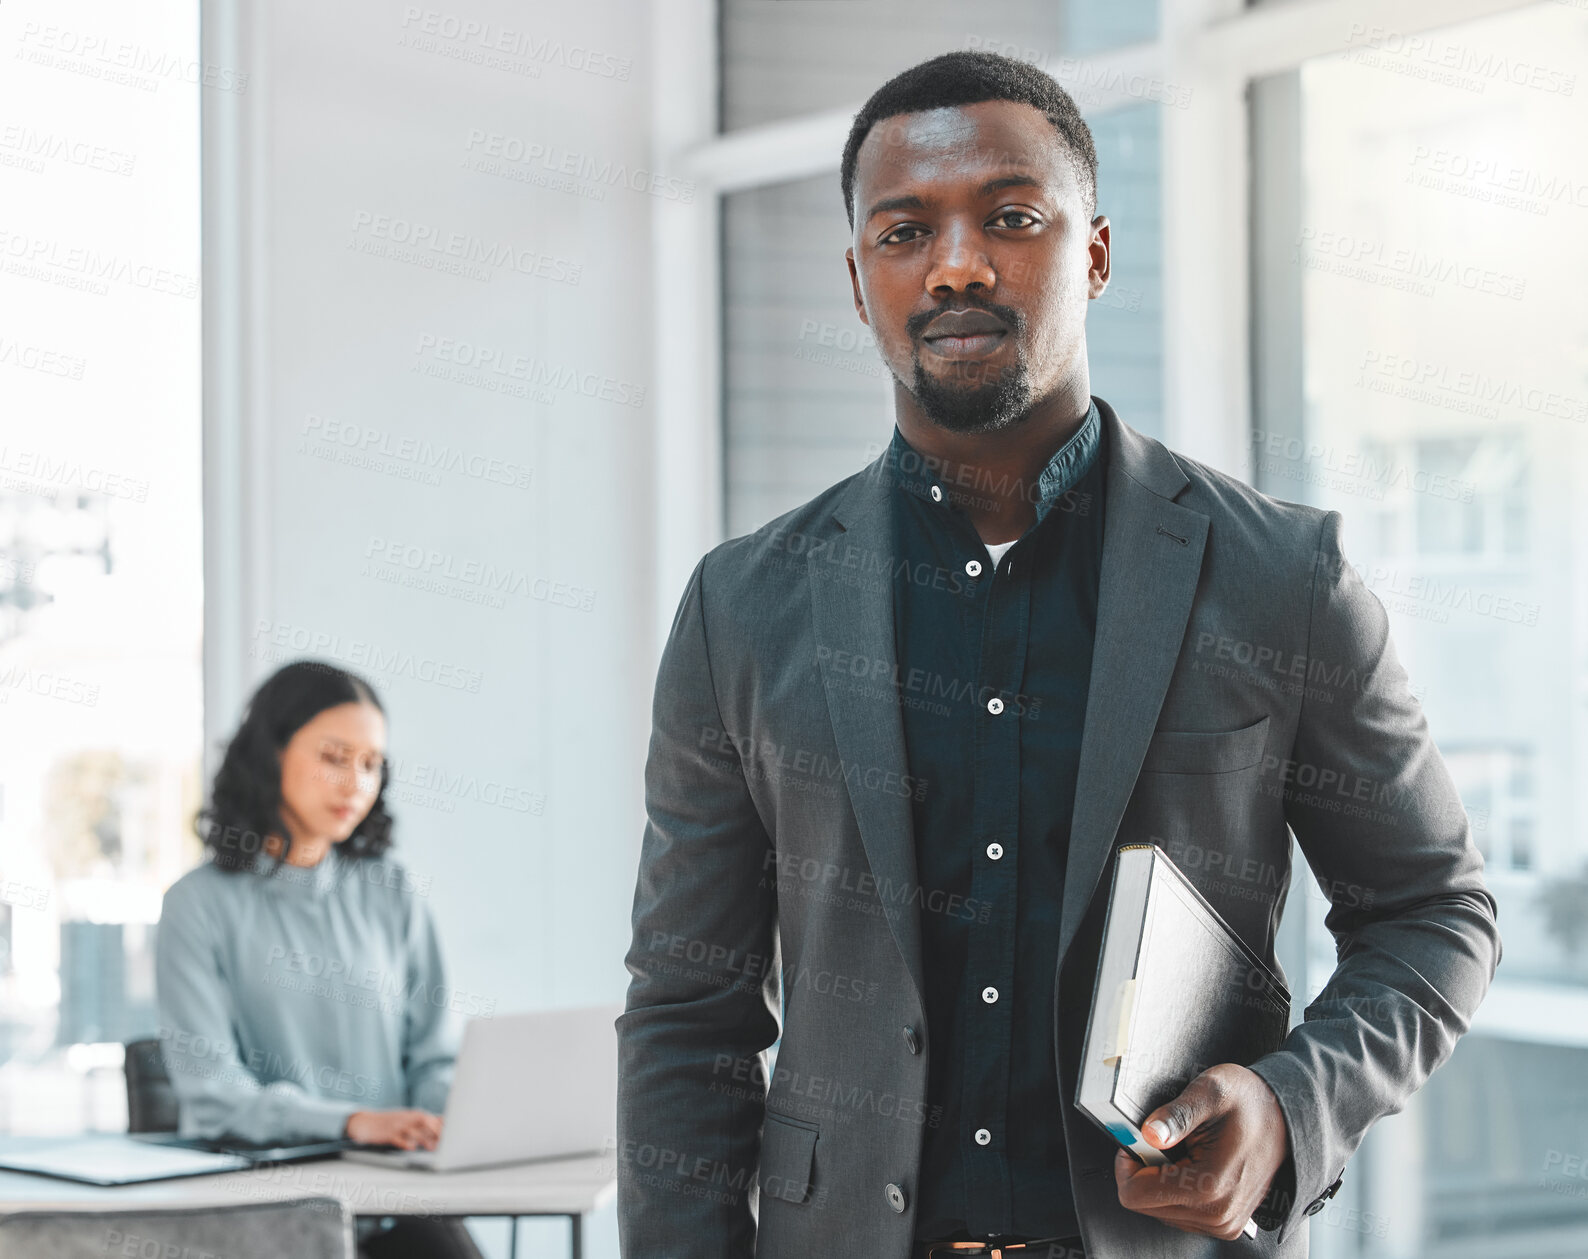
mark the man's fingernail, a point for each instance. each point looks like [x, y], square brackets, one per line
[1159, 1130]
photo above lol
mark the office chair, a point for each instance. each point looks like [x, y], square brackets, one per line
[303, 1228]
[151, 1101]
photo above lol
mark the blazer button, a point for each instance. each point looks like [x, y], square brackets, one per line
[912, 1040]
[1317, 1203]
[896, 1199]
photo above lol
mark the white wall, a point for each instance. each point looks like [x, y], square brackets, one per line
[354, 131]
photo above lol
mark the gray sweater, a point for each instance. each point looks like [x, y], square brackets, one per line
[289, 1000]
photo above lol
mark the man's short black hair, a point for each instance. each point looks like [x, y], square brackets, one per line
[968, 78]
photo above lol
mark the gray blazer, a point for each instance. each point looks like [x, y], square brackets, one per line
[1243, 687]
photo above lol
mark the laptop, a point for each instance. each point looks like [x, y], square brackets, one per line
[526, 1086]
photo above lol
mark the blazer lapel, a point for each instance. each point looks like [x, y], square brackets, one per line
[1152, 557]
[869, 731]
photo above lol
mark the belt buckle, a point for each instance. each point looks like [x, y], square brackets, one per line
[991, 1251]
[986, 1248]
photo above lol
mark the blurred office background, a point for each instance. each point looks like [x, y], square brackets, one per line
[440, 340]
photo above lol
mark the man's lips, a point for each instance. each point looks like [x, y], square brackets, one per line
[964, 334]
[961, 347]
[962, 323]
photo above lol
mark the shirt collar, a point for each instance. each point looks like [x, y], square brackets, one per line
[915, 474]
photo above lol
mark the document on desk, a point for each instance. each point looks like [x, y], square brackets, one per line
[1177, 991]
[111, 1159]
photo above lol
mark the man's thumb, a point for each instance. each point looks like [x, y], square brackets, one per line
[1173, 1121]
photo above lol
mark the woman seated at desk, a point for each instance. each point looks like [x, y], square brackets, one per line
[298, 974]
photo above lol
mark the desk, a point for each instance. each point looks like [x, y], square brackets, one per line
[573, 1187]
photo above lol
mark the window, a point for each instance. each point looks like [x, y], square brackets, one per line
[100, 559]
[1419, 220]
[1454, 498]
[1496, 785]
[1479, 513]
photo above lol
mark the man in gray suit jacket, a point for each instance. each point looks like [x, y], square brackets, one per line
[900, 732]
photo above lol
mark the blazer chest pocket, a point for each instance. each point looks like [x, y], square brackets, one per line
[788, 1153]
[1205, 752]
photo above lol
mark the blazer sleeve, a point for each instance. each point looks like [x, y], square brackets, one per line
[702, 994]
[1384, 831]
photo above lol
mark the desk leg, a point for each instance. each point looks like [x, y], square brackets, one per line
[512, 1237]
[576, 1236]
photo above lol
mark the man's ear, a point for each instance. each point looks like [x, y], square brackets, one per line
[854, 283]
[1101, 254]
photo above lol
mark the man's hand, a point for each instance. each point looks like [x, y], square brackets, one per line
[1231, 1139]
[406, 1129]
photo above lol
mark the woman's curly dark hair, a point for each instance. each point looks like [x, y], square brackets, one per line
[245, 799]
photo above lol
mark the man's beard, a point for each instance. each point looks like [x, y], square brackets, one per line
[990, 400]
[977, 398]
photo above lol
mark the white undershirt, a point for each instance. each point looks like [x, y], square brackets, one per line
[998, 550]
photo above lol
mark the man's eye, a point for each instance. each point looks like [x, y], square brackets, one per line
[901, 235]
[1002, 219]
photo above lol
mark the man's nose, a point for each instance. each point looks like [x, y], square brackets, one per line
[959, 263]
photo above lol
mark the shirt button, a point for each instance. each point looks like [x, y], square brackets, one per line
[896, 1198]
[989, 995]
[973, 567]
[912, 1040]
[983, 1136]
[937, 494]
[995, 705]
[995, 851]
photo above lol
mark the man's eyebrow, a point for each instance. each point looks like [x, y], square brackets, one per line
[1008, 181]
[912, 202]
[896, 203]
